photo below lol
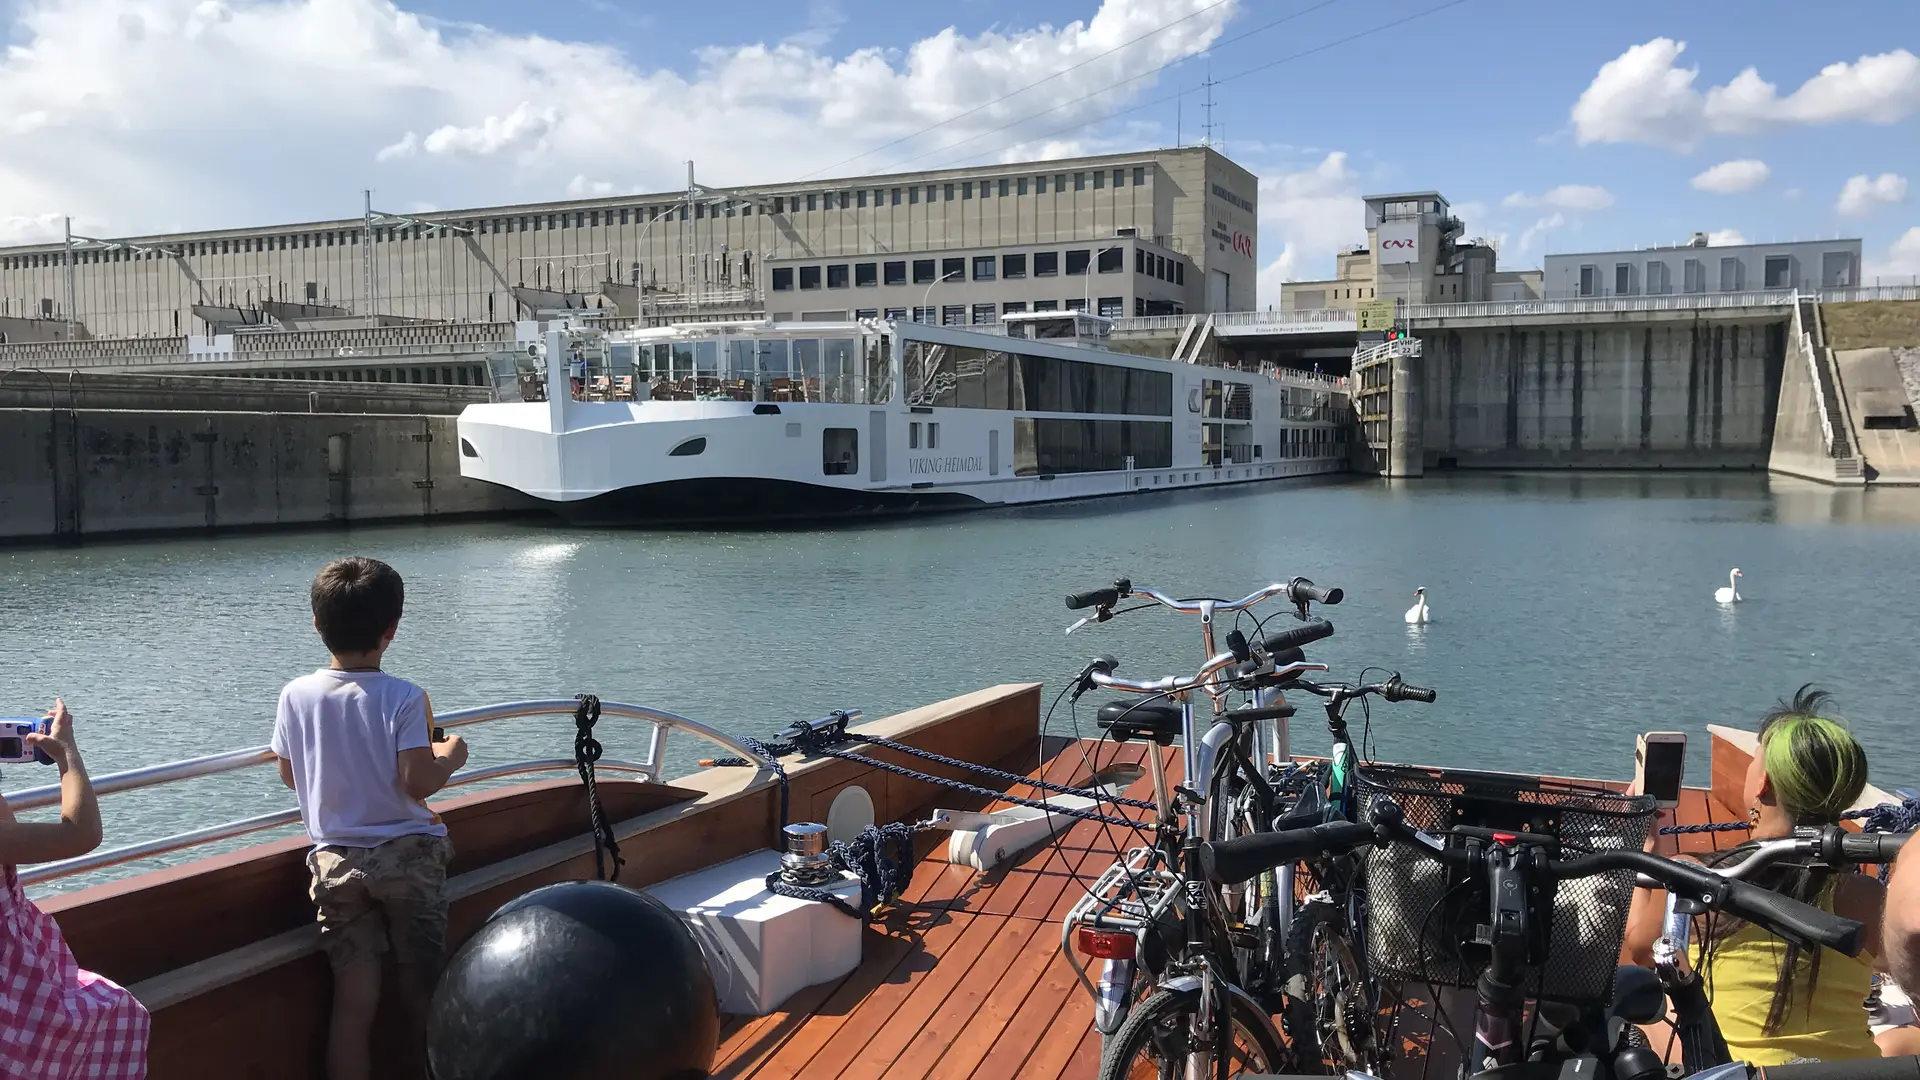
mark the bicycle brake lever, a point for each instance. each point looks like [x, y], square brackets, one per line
[1100, 614]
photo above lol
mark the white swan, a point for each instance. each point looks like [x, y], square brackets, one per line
[1418, 612]
[1728, 595]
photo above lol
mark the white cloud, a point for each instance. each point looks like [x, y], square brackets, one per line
[1900, 265]
[524, 127]
[329, 96]
[30, 228]
[1538, 231]
[1565, 197]
[1733, 177]
[1725, 238]
[1864, 194]
[1642, 96]
[1309, 215]
[582, 188]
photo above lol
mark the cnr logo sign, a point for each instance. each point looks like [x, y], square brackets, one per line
[1397, 245]
[1243, 244]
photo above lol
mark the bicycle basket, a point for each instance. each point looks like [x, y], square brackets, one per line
[1421, 919]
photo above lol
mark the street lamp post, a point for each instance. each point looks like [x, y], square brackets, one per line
[928, 295]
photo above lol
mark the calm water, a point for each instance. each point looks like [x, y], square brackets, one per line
[1570, 613]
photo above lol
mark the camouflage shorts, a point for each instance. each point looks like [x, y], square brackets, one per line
[390, 896]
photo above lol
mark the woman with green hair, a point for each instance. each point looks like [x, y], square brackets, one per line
[1775, 1001]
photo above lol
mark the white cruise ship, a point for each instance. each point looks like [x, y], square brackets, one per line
[710, 423]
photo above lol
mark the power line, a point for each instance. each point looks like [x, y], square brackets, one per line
[1170, 97]
[1022, 90]
[1114, 86]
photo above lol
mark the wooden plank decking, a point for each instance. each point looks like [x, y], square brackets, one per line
[965, 979]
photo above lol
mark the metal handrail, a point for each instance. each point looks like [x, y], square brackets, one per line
[232, 760]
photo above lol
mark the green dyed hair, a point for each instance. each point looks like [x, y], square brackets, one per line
[1817, 767]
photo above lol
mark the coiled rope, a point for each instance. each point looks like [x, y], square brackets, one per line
[586, 751]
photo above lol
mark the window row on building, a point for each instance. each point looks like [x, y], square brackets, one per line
[961, 377]
[849, 199]
[1004, 187]
[1013, 266]
[1111, 307]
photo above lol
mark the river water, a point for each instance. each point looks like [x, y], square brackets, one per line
[1570, 612]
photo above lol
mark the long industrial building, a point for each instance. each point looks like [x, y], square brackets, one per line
[1154, 233]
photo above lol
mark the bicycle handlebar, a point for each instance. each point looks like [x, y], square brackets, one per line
[1100, 673]
[1106, 597]
[1299, 590]
[1310, 631]
[1230, 862]
[1394, 689]
[1770, 910]
[1302, 591]
[1831, 845]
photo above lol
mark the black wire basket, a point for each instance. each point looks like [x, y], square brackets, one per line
[1422, 918]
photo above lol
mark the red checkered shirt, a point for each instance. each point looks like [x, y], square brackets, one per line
[58, 1022]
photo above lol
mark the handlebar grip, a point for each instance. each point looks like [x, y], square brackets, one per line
[1872, 847]
[1410, 692]
[1093, 598]
[1105, 665]
[1306, 633]
[1287, 656]
[1790, 918]
[1302, 591]
[1230, 862]
[1896, 1068]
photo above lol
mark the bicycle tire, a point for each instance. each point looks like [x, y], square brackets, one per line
[1320, 928]
[1165, 1009]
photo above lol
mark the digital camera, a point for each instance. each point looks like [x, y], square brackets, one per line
[14, 748]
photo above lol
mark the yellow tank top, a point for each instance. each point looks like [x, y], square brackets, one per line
[1829, 1023]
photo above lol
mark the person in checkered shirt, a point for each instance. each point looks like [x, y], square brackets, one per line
[56, 1020]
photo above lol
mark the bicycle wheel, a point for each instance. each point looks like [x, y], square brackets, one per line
[1153, 1043]
[1332, 1019]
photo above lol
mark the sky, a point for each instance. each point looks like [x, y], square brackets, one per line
[1550, 127]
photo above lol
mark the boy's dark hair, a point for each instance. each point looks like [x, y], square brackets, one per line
[355, 602]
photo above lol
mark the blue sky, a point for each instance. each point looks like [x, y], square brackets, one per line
[140, 115]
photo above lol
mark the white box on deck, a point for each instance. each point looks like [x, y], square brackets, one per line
[761, 947]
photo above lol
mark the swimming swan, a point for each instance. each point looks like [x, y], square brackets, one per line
[1417, 614]
[1728, 595]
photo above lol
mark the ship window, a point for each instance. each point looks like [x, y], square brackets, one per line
[933, 436]
[913, 436]
[840, 451]
[1048, 446]
[693, 446]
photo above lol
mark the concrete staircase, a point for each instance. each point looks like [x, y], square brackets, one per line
[1845, 461]
[1193, 340]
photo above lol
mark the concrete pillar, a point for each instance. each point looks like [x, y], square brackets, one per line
[1406, 445]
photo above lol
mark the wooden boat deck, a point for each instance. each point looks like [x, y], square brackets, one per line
[964, 977]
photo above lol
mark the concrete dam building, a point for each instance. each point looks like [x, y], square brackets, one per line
[1160, 232]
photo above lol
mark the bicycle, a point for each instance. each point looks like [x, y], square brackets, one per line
[1148, 906]
[1332, 1006]
[1512, 881]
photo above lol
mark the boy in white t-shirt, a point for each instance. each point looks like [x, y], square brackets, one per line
[355, 744]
